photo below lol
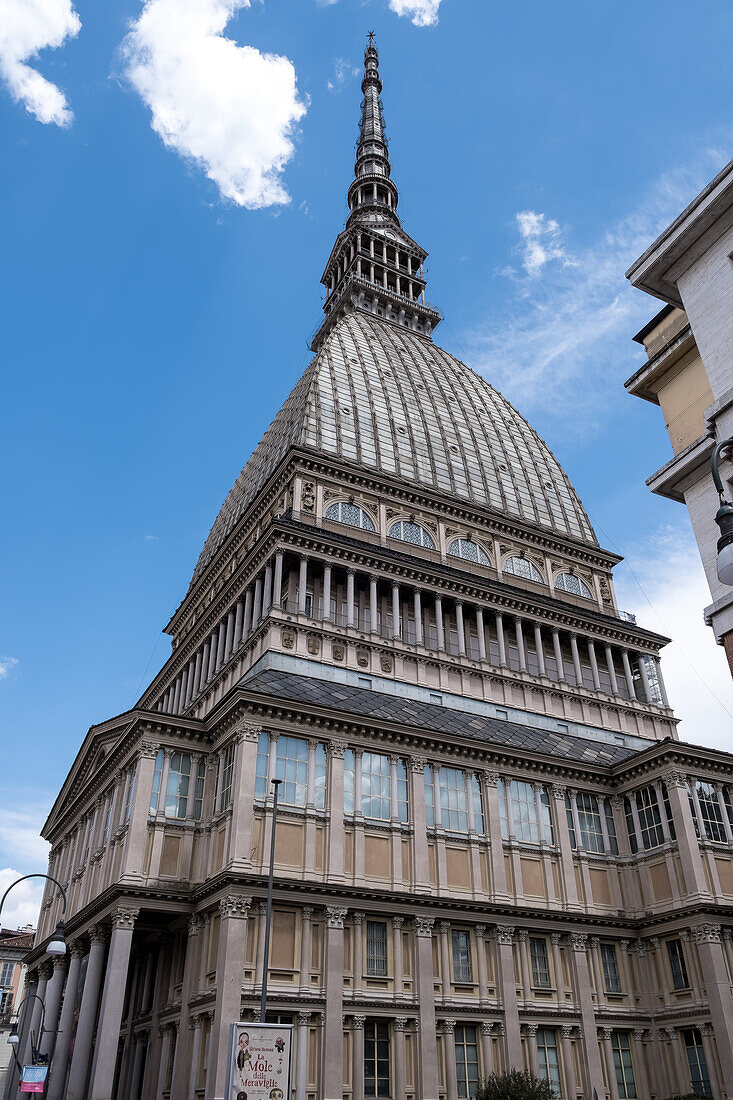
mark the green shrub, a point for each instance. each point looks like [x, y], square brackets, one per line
[514, 1086]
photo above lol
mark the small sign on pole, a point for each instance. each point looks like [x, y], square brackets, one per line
[259, 1062]
[33, 1078]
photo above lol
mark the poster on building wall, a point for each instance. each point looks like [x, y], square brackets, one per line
[259, 1062]
[33, 1078]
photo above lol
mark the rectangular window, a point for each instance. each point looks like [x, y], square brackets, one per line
[712, 815]
[623, 1065]
[519, 815]
[540, 963]
[157, 774]
[650, 819]
[263, 757]
[467, 1072]
[375, 786]
[198, 796]
[478, 807]
[179, 774]
[611, 976]
[227, 777]
[6, 974]
[461, 943]
[429, 784]
[677, 965]
[547, 1059]
[699, 1076]
[376, 1059]
[610, 825]
[453, 806]
[590, 822]
[130, 795]
[107, 819]
[376, 949]
[291, 767]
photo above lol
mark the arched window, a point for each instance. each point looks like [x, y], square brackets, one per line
[469, 551]
[522, 567]
[411, 532]
[351, 514]
[568, 582]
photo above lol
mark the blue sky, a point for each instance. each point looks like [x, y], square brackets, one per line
[168, 202]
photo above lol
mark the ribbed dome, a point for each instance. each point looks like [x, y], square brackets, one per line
[390, 401]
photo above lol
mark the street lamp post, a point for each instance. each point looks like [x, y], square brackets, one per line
[57, 944]
[14, 1036]
[723, 518]
[268, 919]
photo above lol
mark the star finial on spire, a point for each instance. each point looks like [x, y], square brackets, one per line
[371, 36]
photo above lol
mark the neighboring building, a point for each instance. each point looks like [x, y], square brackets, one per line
[14, 946]
[491, 849]
[689, 368]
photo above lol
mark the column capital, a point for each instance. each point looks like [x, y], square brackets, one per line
[487, 1027]
[397, 922]
[304, 1018]
[148, 749]
[336, 749]
[58, 962]
[234, 905]
[399, 1023]
[445, 927]
[531, 1029]
[124, 917]
[306, 913]
[357, 918]
[555, 939]
[194, 925]
[639, 1034]
[357, 1022]
[247, 730]
[448, 1027]
[335, 915]
[559, 790]
[490, 777]
[567, 1031]
[675, 779]
[605, 1033]
[76, 950]
[423, 926]
[45, 970]
[479, 931]
[578, 941]
[97, 934]
[416, 763]
[504, 933]
[707, 933]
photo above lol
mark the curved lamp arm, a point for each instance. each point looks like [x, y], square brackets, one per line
[723, 517]
[57, 943]
[34, 1048]
[37, 875]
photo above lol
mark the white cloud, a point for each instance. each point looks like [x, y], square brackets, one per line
[26, 27]
[343, 70]
[7, 664]
[663, 583]
[541, 241]
[23, 903]
[21, 842]
[423, 13]
[570, 331]
[230, 109]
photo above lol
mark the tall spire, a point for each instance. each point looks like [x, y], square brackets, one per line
[374, 265]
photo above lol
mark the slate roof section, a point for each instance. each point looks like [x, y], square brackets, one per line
[375, 705]
[390, 401]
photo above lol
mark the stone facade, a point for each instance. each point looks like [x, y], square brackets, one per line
[491, 850]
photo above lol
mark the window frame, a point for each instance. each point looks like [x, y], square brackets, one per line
[560, 585]
[532, 568]
[424, 540]
[678, 965]
[467, 1083]
[370, 526]
[540, 972]
[376, 963]
[609, 963]
[461, 957]
[481, 554]
[623, 1064]
[376, 1036]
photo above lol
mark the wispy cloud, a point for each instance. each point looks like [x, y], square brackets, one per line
[229, 109]
[343, 70]
[26, 28]
[663, 583]
[23, 903]
[423, 13]
[569, 326]
[7, 664]
[21, 842]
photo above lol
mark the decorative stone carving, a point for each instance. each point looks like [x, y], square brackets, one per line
[559, 790]
[306, 912]
[314, 644]
[97, 934]
[567, 1031]
[490, 778]
[234, 905]
[148, 749]
[288, 639]
[124, 917]
[638, 1034]
[335, 915]
[248, 730]
[605, 1034]
[194, 925]
[362, 657]
[423, 925]
[504, 933]
[338, 651]
[448, 1027]
[445, 927]
[397, 922]
[487, 1026]
[304, 1018]
[357, 919]
[707, 933]
[308, 497]
[578, 941]
[480, 931]
[399, 1023]
[336, 749]
[385, 663]
[531, 1030]
[416, 763]
[357, 1022]
[676, 779]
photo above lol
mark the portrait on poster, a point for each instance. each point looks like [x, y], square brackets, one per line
[259, 1062]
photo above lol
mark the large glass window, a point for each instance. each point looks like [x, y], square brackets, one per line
[519, 812]
[176, 795]
[376, 1058]
[467, 1071]
[540, 963]
[547, 1059]
[157, 775]
[291, 766]
[376, 949]
[590, 808]
[411, 532]
[227, 777]
[375, 798]
[350, 514]
[710, 811]
[522, 567]
[130, 796]
[699, 1076]
[650, 818]
[461, 948]
[677, 965]
[623, 1065]
[453, 799]
[611, 975]
[6, 974]
[429, 784]
[198, 797]
[469, 551]
[568, 582]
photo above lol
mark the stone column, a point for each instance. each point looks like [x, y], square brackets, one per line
[137, 829]
[77, 1084]
[723, 812]
[267, 591]
[247, 735]
[63, 1039]
[460, 629]
[487, 1048]
[718, 993]
[196, 1026]
[584, 999]
[35, 1013]
[483, 988]
[220, 645]
[627, 674]
[113, 997]
[373, 606]
[357, 946]
[706, 1034]
[496, 853]
[523, 937]
[54, 990]
[562, 835]
[350, 577]
[558, 656]
[449, 1058]
[641, 664]
[611, 670]
[445, 959]
[302, 584]
[277, 580]
[396, 632]
[301, 1056]
[397, 923]
[137, 1067]
[428, 1056]
[481, 632]
[605, 1034]
[357, 1036]
[182, 1064]
[398, 1025]
[557, 967]
[257, 603]
[214, 645]
[531, 1033]
[508, 987]
[165, 1046]
[326, 614]
[539, 646]
[228, 639]
[688, 845]
[421, 869]
[594, 665]
[336, 750]
[306, 947]
[439, 625]
[571, 1086]
[576, 660]
[333, 965]
[238, 625]
[518, 630]
[233, 909]
[639, 1063]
